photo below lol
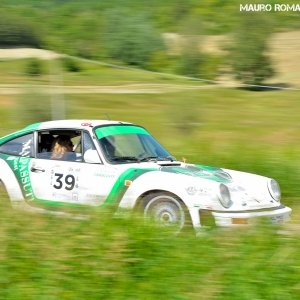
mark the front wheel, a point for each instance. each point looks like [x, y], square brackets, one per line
[166, 210]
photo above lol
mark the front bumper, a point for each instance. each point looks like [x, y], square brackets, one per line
[276, 216]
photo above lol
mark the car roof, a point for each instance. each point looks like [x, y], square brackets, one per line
[78, 124]
[60, 124]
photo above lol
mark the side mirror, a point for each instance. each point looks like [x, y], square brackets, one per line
[91, 156]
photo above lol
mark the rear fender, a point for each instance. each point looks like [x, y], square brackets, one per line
[10, 182]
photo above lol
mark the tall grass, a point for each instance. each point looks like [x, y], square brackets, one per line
[109, 257]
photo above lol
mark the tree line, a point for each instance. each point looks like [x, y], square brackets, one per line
[131, 32]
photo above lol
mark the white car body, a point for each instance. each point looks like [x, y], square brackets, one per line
[156, 184]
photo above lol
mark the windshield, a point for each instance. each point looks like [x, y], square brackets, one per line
[128, 143]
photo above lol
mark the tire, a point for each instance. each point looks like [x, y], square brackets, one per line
[166, 210]
[2, 187]
[4, 198]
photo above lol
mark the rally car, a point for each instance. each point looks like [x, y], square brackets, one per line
[121, 165]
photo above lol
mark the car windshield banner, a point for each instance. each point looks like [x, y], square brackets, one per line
[119, 129]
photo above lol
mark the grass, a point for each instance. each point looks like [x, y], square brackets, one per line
[105, 257]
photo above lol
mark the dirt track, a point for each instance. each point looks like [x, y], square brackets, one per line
[13, 89]
[284, 54]
[21, 53]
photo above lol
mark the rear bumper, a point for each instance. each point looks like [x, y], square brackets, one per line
[276, 216]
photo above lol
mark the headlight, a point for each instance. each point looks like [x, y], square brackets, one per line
[224, 195]
[274, 189]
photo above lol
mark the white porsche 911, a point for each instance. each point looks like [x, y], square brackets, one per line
[121, 164]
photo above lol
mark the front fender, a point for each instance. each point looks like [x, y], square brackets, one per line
[176, 184]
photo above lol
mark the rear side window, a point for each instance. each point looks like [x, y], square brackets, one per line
[20, 146]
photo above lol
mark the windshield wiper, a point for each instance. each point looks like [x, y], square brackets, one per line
[170, 158]
[124, 158]
[143, 159]
[156, 158]
[149, 158]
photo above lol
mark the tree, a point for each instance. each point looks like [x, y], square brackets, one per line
[131, 38]
[193, 61]
[190, 60]
[247, 55]
[15, 31]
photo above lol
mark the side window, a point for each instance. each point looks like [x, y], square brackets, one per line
[45, 141]
[20, 146]
[60, 145]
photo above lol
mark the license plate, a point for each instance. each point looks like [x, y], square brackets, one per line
[277, 219]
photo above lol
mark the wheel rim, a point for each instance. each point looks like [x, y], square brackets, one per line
[166, 211]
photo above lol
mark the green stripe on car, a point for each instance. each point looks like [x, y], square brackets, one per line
[120, 187]
[119, 129]
[20, 166]
[21, 132]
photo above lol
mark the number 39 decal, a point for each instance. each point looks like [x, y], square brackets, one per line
[68, 181]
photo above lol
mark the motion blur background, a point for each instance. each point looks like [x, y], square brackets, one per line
[214, 84]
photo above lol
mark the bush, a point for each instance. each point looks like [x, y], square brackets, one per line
[70, 65]
[210, 66]
[189, 63]
[159, 61]
[34, 67]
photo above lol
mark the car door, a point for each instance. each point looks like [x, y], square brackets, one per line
[75, 182]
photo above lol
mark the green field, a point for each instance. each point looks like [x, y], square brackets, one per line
[44, 257]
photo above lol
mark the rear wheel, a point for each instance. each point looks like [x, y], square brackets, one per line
[4, 198]
[2, 188]
[166, 210]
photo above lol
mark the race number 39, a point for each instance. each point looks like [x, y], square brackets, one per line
[64, 181]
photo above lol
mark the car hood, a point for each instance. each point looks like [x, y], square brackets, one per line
[200, 171]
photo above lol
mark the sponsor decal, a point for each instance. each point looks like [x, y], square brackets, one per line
[20, 166]
[23, 172]
[63, 182]
[86, 124]
[26, 148]
[191, 190]
[194, 190]
[105, 174]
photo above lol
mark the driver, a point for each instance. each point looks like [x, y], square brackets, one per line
[62, 148]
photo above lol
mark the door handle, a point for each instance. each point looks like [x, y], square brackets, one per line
[36, 169]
